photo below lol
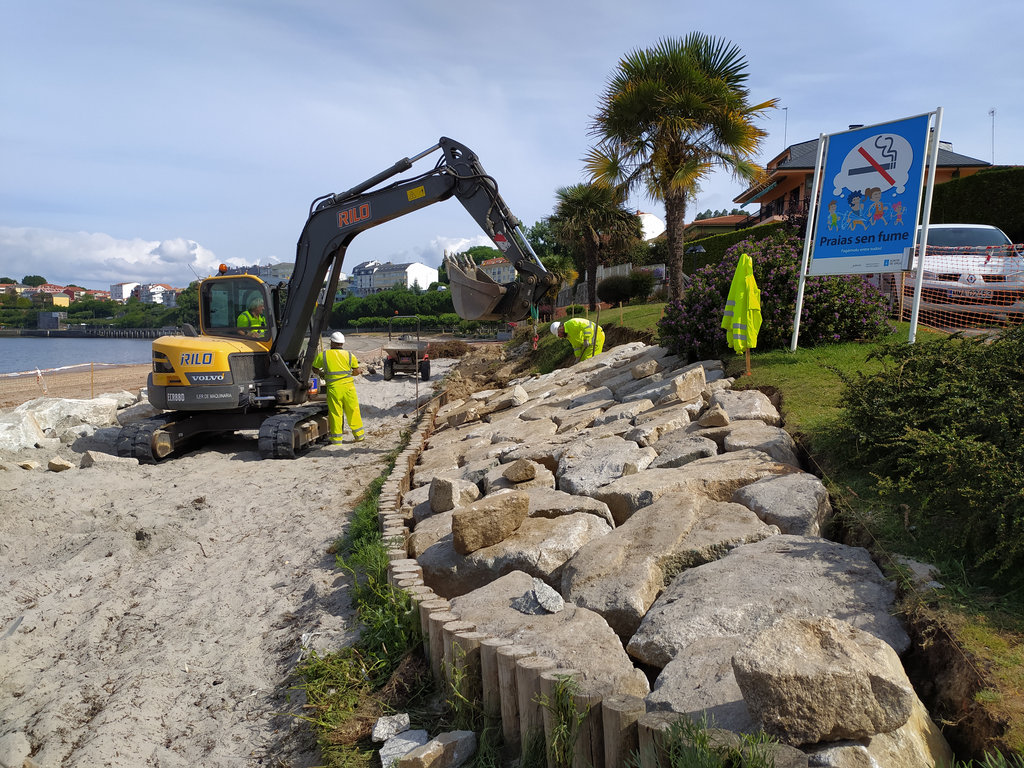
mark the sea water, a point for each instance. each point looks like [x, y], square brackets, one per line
[25, 354]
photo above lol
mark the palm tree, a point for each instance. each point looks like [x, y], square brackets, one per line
[590, 219]
[669, 116]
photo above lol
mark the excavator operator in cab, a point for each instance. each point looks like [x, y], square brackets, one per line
[253, 321]
[586, 337]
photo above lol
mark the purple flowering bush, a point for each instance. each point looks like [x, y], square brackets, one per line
[835, 308]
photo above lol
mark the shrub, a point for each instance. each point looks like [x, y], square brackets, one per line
[940, 426]
[449, 320]
[836, 307]
[369, 322]
[642, 283]
[615, 289]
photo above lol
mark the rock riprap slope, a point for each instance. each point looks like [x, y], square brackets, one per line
[670, 513]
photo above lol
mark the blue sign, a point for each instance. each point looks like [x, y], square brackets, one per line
[870, 196]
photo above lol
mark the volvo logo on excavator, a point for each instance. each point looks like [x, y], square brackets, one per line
[218, 377]
[351, 216]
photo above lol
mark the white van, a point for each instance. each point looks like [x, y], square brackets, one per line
[972, 264]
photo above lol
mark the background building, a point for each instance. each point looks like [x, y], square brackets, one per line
[122, 291]
[500, 270]
[374, 277]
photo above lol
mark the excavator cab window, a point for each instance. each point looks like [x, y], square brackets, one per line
[234, 307]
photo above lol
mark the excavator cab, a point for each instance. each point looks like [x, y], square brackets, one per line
[236, 306]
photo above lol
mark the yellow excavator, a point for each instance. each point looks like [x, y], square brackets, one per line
[242, 370]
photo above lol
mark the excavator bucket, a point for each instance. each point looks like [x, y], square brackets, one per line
[474, 293]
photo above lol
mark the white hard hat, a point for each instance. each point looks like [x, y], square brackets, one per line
[554, 328]
[337, 337]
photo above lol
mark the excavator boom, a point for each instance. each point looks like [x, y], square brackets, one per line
[336, 219]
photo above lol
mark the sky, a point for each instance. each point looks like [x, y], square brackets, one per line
[151, 141]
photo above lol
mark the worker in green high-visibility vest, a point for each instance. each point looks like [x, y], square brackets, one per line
[253, 321]
[586, 337]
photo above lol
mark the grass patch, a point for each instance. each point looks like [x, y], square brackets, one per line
[693, 744]
[635, 316]
[383, 671]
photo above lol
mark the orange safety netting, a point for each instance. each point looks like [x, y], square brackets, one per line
[962, 288]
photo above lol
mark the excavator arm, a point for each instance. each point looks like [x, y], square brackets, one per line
[335, 219]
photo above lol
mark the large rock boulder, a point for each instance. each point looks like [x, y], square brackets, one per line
[504, 477]
[574, 638]
[428, 532]
[19, 432]
[757, 584]
[519, 431]
[539, 547]
[620, 575]
[918, 742]
[586, 465]
[624, 411]
[447, 493]
[51, 411]
[650, 426]
[681, 447]
[547, 502]
[797, 503]
[746, 404]
[753, 433]
[717, 477]
[547, 451]
[811, 680]
[488, 521]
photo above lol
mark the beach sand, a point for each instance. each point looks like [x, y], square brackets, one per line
[79, 382]
[154, 615]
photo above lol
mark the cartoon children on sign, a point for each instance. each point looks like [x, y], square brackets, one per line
[897, 209]
[876, 209]
[856, 215]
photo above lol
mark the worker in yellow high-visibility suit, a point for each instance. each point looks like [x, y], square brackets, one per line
[586, 337]
[338, 367]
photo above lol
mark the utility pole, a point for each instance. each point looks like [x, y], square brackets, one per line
[785, 129]
[992, 114]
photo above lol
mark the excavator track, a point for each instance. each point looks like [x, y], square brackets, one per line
[289, 434]
[148, 441]
[174, 433]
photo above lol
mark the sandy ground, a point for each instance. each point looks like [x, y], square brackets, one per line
[152, 616]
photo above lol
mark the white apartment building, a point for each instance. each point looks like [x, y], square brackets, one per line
[122, 291]
[157, 293]
[373, 276]
[389, 275]
[500, 270]
[361, 283]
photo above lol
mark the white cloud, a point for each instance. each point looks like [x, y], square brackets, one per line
[97, 260]
[432, 253]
